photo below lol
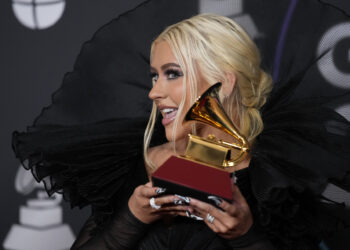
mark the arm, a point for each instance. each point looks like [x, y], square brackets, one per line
[130, 224]
[254, 239]
[123, 232]
[85, 233]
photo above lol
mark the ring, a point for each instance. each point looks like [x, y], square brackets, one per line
[153, 203]
[210, 218]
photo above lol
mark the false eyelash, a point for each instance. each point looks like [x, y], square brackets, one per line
[177, 73]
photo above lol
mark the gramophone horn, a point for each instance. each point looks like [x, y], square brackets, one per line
[209, 110]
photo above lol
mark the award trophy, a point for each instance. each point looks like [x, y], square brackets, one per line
[203, 170]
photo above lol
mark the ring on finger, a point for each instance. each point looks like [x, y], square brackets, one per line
[153, 204]
[210, 218]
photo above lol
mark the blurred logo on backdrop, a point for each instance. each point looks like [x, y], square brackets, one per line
[232, 9]
[40, 220]
[38, 14]
[335, 67]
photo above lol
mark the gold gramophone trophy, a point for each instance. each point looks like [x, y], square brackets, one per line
[204, 169]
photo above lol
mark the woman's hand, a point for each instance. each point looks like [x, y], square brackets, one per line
[234, 220]
[139, 204]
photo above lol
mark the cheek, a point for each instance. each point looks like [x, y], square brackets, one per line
[177, 92]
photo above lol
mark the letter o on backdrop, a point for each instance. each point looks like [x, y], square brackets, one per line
[38, 14]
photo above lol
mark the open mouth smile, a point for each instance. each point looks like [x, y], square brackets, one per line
[169, 114]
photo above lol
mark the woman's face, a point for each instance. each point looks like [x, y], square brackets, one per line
[167, 91]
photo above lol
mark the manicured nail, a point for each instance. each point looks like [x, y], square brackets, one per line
[184, 198]
[192, 216]
[233, 178]
[216, 199]
[160, 190]
[179, 202]
[195, 217]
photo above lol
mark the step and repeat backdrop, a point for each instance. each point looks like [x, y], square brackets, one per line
[41, 40]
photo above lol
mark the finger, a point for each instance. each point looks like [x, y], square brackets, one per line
[229, 218]
[149, 184]
[238, 210]
[223, 221]
[149, 191]
[146, 191]
[205, 208]
[215, 225]
[229, 208]
[192, 216]
[174, 213]
[182, 213]
[171, 200]
[237, 195]
[177, 208]
[229, 235]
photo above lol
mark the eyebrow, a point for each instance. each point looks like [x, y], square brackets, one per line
[164, 66]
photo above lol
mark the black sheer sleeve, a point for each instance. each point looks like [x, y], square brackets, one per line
[254, 239]
[85, 233]
[90, 164]
[123, 232]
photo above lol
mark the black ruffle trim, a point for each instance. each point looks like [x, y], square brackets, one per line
[89, 164]
[305, 145]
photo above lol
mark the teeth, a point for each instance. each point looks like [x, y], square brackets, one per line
[167, 110]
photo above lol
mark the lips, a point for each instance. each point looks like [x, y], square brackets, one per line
[169, 114]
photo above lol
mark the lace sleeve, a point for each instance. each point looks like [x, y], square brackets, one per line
[123, 232]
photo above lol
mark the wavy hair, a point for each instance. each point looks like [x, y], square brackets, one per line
[217, 46]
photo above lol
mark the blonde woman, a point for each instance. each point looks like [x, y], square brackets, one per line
[186, 59]
[271, 208]
[277, 198]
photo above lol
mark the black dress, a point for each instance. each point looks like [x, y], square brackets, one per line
[91, 150]
[305, 145]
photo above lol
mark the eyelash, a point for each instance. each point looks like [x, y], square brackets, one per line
[176, 74]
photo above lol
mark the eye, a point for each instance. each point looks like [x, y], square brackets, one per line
[154, 76]
[173, 74]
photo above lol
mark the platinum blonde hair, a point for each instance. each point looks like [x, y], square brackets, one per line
[216, 46]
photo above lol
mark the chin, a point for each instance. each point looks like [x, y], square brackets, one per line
[181, 134]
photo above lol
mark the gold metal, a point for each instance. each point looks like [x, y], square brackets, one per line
[209, 110]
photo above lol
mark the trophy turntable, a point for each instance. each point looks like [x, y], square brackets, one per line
[206, 167]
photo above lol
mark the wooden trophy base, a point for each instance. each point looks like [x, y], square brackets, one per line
[193, 179]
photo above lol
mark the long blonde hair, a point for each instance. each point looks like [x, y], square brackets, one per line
[216, 46]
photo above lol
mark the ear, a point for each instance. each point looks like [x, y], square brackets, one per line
[229, 85]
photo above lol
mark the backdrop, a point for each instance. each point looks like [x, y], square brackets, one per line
[43, 39]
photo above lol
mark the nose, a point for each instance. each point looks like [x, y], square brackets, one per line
[157, 91]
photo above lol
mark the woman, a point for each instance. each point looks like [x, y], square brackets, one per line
[186, 59]
[177, 81]
[278, 194]
[179, 78]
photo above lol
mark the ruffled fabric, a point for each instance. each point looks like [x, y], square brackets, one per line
[94, 164]
[305, 145]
